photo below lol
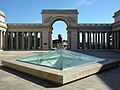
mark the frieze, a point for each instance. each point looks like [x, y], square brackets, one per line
[72, 19]
[46, 20]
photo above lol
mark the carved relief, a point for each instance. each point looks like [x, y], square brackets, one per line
[46, 20]
[72, 19]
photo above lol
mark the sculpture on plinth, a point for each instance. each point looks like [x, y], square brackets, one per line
[59, 38]
[57, 43]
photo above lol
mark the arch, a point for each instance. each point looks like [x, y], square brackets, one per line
[60, 18]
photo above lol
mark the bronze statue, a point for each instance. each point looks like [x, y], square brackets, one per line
[59, 38]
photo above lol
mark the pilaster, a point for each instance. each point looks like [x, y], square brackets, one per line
[45, 38]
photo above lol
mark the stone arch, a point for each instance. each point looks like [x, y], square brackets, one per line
[49, 17]
[60, 18]
[51, 24]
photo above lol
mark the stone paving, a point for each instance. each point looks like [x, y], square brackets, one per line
[14, 80]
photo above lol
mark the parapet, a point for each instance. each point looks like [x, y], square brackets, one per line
[117, 16]
[3, 25]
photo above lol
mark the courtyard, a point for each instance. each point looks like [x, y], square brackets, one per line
[13, 80]
[91, 28]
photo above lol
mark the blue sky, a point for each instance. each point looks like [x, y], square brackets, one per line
[90, 11]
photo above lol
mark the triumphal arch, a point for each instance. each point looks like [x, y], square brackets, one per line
[38, 36]
[70, 17]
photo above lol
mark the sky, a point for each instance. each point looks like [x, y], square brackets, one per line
[29, 11]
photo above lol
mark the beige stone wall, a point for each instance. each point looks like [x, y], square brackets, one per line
[2, 19]
[117, 16]
[116, 24]
[69, 16]
[74, 39]
[45, 40]
[95, 27]
[3, 25]
[3, 28]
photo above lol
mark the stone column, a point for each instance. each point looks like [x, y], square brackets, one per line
[115, 39]
[23, 41]
[118, 40]
[98, 40]
[88, 40]
[17, 40]
[112, 40]
[4, 40]
[50, 39]
[1, 40]
[83, 40]
[41, 39]
[69, 39]
[20, 39]
[29, 41]
[14, 41]
[93, 41]
[78, 42]
[108, 40]
[103, 40]
[26, 40]
[11, 39]
[35, 41]
[96, 45]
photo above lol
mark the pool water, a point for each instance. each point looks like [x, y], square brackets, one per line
[61, 59]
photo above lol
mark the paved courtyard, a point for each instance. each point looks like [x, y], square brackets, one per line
[14, 80]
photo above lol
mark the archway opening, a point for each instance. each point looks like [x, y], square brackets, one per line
[59, 29]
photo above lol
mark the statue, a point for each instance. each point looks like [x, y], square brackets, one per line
[59, 38]
[56, 41]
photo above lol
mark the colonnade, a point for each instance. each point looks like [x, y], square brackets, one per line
[22, 40]
[95, 40]
[2, 39]
[33, 40]
[116, 39]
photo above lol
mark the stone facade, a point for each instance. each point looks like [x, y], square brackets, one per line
[28, 36]
[3, 28]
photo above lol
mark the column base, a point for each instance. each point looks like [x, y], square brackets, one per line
[1, 49]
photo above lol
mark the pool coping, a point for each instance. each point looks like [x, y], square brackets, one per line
[60, 76]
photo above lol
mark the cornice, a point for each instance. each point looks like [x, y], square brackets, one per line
[3, 25]
[116, 25]
[57, 11]
[2, 14]
[94, 24]
[24, 25]
[116, 13]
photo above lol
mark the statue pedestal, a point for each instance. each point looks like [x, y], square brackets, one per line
[59, 46]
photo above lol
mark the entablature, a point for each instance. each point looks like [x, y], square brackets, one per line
[23, 25]
[95, 26]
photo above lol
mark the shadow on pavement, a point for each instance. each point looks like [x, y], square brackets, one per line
[30, 78]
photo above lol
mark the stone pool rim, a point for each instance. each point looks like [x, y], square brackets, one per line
[59, 76]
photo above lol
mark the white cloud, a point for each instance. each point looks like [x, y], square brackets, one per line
[84, 2]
